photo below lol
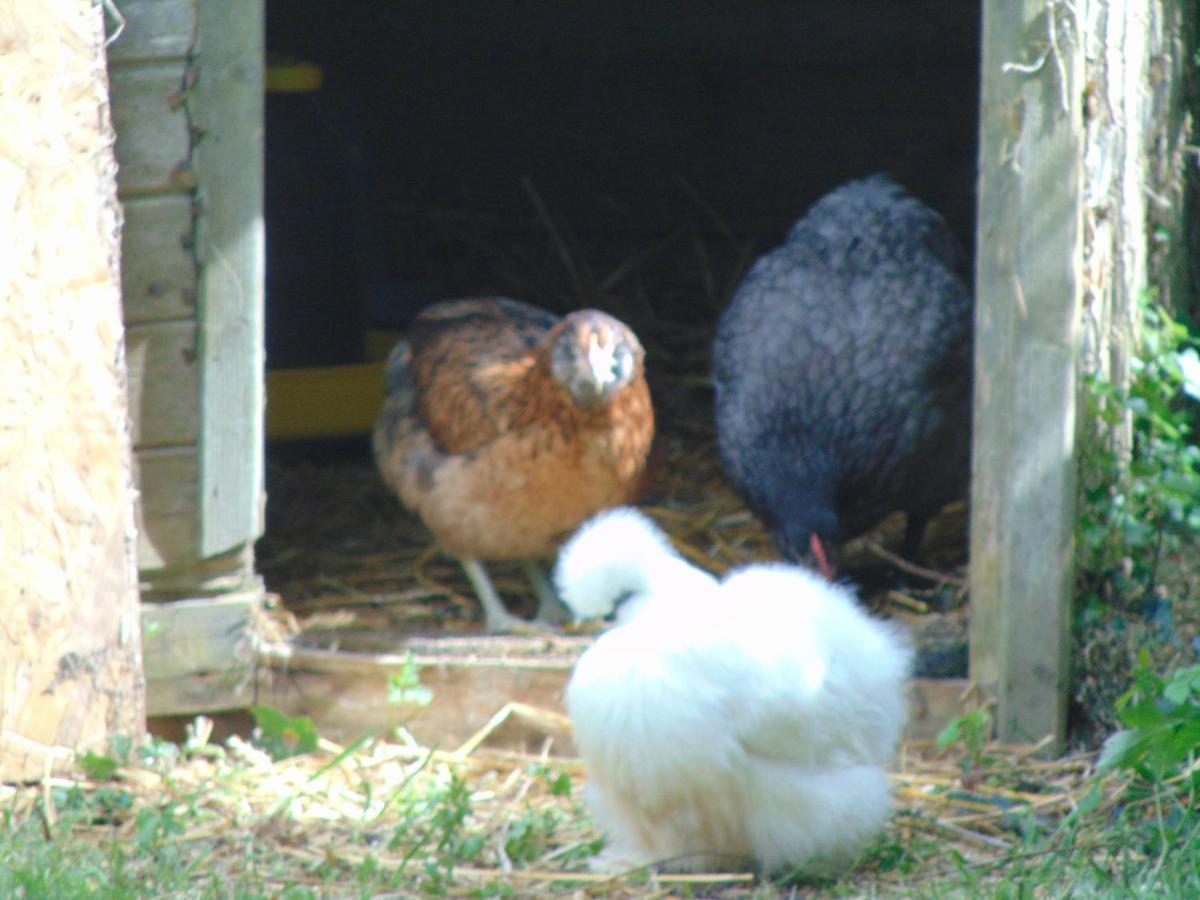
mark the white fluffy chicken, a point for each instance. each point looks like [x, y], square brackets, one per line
[749, 718]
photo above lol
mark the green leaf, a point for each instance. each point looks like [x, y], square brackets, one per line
[98, 767]
[1163, 724]
[1177, 692]
[1183, 487]
[972, 729]
[1117, 750]
[1181, 742]
[1143, 715]
[282, 736]
[949, 734]
[405, 685]
[1187, 679]
[559, 784]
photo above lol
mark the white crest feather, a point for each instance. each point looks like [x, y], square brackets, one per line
[617, 553]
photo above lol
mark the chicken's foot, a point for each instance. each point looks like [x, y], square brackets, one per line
[551, 611]
[497, 619]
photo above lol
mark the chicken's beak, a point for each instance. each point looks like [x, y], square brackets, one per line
[602, 361]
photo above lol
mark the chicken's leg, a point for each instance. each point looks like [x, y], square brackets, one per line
[550, 610]
[496, 617]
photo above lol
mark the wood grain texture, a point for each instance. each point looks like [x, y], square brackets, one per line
[1028, 288]
[153, 139]
[158, 271]
[226, 106]
[163, 399]
[152, 30]
[1134, 176]
[346, 694]
[168, 485]
[199, 654]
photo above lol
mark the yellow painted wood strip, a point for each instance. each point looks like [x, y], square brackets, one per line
[331, 401]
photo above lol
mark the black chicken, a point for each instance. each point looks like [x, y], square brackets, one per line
[843, 372]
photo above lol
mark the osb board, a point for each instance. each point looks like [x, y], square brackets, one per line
[158, 270]
[469, 679]
[70, 658]
[163, 399]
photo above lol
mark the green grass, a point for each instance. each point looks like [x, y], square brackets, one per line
[381, 820]
[1124, 855]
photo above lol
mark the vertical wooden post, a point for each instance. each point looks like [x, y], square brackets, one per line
[227, 113]
[1028, 290]
[70, 642]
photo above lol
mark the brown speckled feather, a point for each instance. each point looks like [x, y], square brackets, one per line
[470, 353]
[481, 439]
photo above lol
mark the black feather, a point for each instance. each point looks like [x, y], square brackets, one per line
[843, 370]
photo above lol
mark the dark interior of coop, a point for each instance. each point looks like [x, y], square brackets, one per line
[634, 157]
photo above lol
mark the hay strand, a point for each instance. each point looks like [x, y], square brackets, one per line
[312, 811]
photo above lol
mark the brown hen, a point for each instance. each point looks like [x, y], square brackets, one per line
[504, 427]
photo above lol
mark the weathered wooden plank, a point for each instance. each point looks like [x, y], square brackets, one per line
[152, 130]
[169, 562]
[203, 692]
[158, 271]
[199, 654]
[153, 30]
[227, 106]
[227, 573]
[346, 694]
[70, 654]
[162, 383]
[168, 484]
[1028, 294]
[170, 566]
